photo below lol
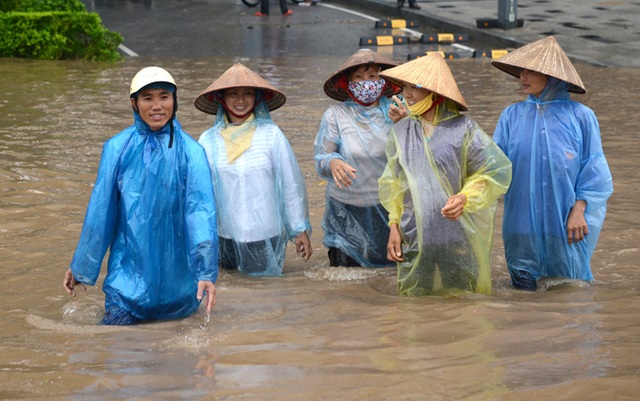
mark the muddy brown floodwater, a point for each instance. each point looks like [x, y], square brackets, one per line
[317, 333]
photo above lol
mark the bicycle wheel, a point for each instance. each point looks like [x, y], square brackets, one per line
[251, 3]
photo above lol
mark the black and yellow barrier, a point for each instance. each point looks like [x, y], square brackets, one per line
[445, 55]
[443, 38]
[493, 53]
[384, 40]
[397, 23]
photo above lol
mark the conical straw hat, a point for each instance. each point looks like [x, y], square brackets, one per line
[238, 76]
[430, 72]
[544, 56]
[361, 57]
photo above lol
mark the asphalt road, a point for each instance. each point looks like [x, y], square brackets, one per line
[204, 28]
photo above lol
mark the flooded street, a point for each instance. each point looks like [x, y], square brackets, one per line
[317, 333]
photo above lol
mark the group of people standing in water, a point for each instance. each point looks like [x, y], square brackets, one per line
[411, 181]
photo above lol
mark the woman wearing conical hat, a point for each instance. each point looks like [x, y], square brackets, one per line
[260, 193]
[556, 205]
[349, 153]
[440, 186]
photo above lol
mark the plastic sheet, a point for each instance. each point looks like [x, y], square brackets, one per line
[427, 165]
[354, 221]
[261, 196]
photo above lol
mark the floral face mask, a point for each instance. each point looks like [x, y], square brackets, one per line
[367, 92]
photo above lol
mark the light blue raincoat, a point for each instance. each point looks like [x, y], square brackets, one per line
[554, 145]
[153, 207]
[261, 196]
[355, 221]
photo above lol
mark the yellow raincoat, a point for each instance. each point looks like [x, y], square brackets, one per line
[427, 164]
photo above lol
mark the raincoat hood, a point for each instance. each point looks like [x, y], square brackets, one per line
[144, 129]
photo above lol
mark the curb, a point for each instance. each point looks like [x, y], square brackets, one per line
[492, 38]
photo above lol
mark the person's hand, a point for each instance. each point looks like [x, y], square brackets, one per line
[454, 207]
[205, 286]
[394, 246]
[343, 174]
[70, 282]
[303, 246]
[577, 227]
[397, 110]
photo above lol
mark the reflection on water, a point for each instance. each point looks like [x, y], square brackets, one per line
[318, 332]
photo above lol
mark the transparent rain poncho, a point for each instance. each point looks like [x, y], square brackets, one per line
[153, 207]
[354, 221]
[555, 147]
[427, 164]
[261, 196]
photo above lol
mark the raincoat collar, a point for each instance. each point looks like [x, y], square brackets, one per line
[556, 90]
[144, 129]
[367, 111]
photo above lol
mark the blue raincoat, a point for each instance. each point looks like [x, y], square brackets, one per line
[153, 207]
[427, 164]
[354, 220]
[261, 196]
[554, 145]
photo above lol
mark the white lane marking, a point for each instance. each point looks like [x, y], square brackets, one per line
[128, 51]
[349, 11]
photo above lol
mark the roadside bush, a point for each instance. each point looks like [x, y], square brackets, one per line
[8, 5]
[71, 33]
[42, 5]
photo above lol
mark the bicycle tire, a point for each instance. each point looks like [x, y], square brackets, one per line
[297, 1]
[251, 3]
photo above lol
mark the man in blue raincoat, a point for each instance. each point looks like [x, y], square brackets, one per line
[556, 205]
[153, 207]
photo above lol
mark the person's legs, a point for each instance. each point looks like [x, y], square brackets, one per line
[227, 254]
[283, 7]
[416, 273]
[373, 226]
[523, 260]
[116, 316]
[361, 233]
[262, 258]
[523, 280]
[256, 257]
[264, 7]
[339, 258]
[400, 3]
[459, 267]
[413, 4]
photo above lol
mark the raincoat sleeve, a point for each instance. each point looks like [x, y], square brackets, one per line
[501, 133]
[488, 171]
[393, 184]
[594, 183]
[327, 144]
[292, 188]
[200, 215]
[100, 219]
